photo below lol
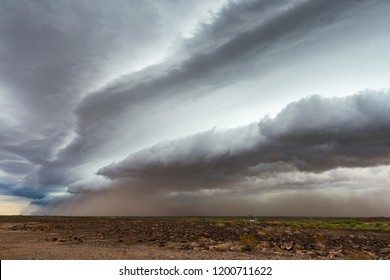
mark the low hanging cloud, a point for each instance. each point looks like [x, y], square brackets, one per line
[314, 134]
[317, 157]
[88, 83]
[195, 71]
[53, 54]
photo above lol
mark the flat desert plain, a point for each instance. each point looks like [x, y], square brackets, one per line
[109, 238]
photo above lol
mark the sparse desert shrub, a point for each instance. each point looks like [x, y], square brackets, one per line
[248, 239]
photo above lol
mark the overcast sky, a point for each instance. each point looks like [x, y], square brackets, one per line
[195, 107]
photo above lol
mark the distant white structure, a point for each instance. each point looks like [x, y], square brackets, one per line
[252, 219]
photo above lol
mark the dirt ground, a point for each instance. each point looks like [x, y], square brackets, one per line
[109, 238]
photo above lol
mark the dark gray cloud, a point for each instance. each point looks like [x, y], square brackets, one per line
[235, 18]
[200, 71]
[15, 166]
[85, 83]
[314, 134]
[216, 64]
[333, 164]
[54, 54]
[51, 55]
[21, 191]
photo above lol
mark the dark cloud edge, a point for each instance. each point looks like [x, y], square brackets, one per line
[314, 134]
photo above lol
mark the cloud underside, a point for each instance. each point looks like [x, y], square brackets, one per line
[318, 156]
[312, 135]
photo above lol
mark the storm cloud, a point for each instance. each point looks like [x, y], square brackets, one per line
[333, 162]
[193, 75]
[314, 135]
[186, 104]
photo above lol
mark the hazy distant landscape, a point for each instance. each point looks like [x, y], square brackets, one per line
[51, 237]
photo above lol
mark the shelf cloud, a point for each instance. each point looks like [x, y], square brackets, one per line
[189, 104]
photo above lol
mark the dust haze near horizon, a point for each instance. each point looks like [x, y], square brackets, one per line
[195, 107]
